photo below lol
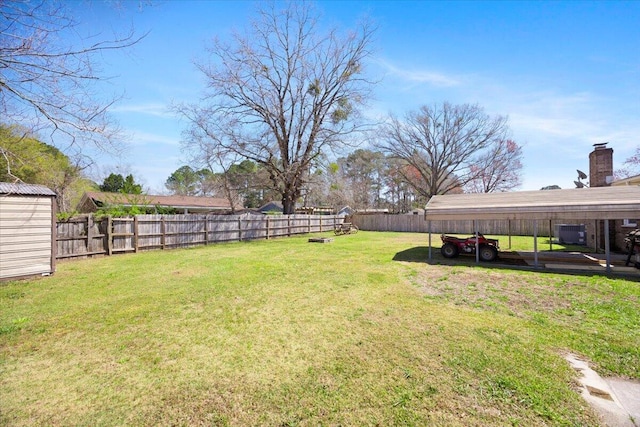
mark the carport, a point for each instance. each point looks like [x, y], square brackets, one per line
[579, 204]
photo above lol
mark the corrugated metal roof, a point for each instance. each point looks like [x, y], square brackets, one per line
[579, 203]
[25, 189]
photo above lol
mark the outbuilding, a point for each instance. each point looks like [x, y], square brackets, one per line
[27, 230]
[599, 204]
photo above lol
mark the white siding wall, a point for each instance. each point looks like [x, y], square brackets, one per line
[25, 236]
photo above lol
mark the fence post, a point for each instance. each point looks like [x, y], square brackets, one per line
[535, 243]
[239, 229]
[163, 241]
[109, 235]
[135, 233]
[289, 225]
[268, 222]
[206, 230]
[309, 224]
[89, 233]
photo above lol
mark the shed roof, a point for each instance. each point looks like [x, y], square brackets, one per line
[25, 189]
[271, 206]
[578, 203]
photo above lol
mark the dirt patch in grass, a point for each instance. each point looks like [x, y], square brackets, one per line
[513, 293]
[595, 316]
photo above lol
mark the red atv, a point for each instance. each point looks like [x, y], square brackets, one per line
[454, 246]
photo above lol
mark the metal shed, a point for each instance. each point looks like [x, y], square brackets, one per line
[599, 203]
[27, 230]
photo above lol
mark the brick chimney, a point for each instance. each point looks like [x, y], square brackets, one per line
[600, 165]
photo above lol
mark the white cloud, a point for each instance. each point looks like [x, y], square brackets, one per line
[549, 117]
[151, 109]
[419, 76]
[144, 138]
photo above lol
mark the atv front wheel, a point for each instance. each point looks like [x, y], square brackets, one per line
[449, 250]
[488, 253]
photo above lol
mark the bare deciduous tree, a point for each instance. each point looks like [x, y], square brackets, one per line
[498, 170]
[443, 144]
[631, 166]
[283, 94]
[47, 73]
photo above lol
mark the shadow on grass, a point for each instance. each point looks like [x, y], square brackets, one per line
[421, 254]
[416, 254]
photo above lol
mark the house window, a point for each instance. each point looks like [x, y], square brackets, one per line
[629, 223]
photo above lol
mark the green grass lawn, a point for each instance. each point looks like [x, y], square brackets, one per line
[360, 331]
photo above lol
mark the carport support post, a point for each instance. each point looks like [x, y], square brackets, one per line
[475, 227]
[429, 231]
[606, 245]
[535, 243]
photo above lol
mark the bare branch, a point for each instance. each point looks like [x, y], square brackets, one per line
[46, 80]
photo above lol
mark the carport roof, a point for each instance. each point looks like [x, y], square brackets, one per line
[573, 204]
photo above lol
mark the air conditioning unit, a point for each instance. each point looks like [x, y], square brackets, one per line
[570, 234]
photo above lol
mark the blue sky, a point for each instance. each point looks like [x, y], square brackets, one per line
[567, 74]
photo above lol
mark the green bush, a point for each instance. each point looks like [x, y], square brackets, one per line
[122, 211]
[66, 216]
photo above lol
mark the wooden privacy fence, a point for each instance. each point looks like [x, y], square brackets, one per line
[87, 236]
[417, 224]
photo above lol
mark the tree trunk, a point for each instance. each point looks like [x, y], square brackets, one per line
[289, 196]
[288, 205]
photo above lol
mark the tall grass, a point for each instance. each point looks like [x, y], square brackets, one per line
[286, 332]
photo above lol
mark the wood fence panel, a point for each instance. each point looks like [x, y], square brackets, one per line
[80, 236]
[86, 236]
[149, 232]
[251, 227]
[70, 237]
[417, 224]
[96, 235]
[279, 225]
[299, 224]
[122, 234]
[222, 228]
[328, 223]
[184, 230]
